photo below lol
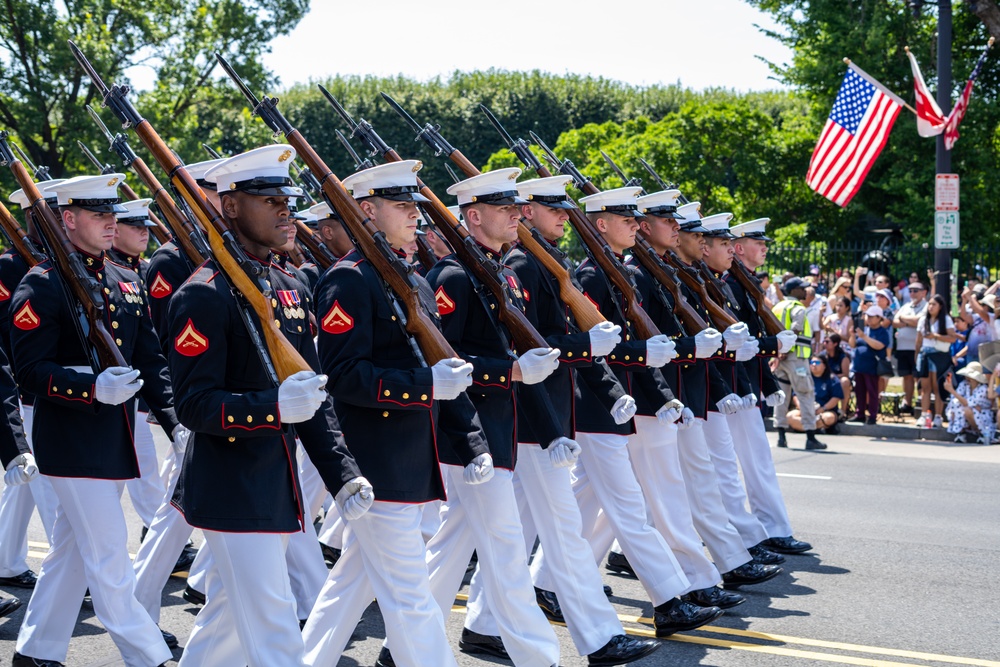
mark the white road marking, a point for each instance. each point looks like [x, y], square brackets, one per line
[789, 474]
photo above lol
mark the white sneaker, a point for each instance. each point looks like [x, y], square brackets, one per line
[937, 421]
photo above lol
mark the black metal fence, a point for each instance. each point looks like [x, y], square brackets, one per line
[979, 260]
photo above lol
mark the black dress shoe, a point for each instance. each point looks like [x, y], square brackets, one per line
[26, 579]
[618, 563]
[8, 605]
[782, 442]
[170, 639]
[764, 556]
[621, 650]
[714, 596]
[193, 596]
[549, 604]
[812, 442]
[25, 661]
[385, 658]
[677, 615]
[184, 561]
[473, 642]
[330, 555]
[607, 591]
[786, 545]
[749, 573]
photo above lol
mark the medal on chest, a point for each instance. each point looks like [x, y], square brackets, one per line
[291, 304]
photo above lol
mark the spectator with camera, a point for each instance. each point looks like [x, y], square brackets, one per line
[871, 341]
[905, 323]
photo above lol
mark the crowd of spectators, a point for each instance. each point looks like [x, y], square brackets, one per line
[866, 330]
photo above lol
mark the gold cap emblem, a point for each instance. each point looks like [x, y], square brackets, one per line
[284, 155]
[112, 181]
[418, 166]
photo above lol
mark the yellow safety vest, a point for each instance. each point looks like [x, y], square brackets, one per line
[783, 311]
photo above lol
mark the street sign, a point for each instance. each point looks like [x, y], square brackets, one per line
[946, 230]
[946, 192]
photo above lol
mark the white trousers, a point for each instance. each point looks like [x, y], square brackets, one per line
[146, 491]
[656, 462]
[384, 557]
[89, 549]
[547, 494]
[249, 616]
[734, 495]
[16, 506]
[168, 534]
[199, 568]
[608, 494]
[484, 518]
[707, 508]
[759, 475]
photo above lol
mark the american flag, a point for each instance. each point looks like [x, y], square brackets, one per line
[853, 136]
[962, 105]
[930, 120]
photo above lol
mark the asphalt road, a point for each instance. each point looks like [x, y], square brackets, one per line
[903, 572]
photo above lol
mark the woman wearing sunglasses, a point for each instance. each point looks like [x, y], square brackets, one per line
[828, 397]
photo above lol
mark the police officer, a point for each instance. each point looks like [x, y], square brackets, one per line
[390, 406]
[749, 436]
[83, 434]
[792, 371]
[239, 482]
[490, 206]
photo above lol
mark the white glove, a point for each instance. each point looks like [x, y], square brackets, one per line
[735, 335]
[451, 378]
[748, 350]
[564, 452]
[706, 343]
[21, 470]
[687, 419]
[354, 498]
[479, 471]
[786, 340]
[116, 384]
[670, 412]
[538, 364]
[179, 439]
[749, 401]
[660, 351]
[623, 409]
[603, 338]
[300, 396]
[730, 404]
[775, 399]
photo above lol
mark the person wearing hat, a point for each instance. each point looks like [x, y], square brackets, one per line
[18, 502]
[749, 434]
[872, 340]
[77, 414]
[332, 229]
[239, 482]
[969, 409]
[491, 207]
[390, 405]
[792, 371]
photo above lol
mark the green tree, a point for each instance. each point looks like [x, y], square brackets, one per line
[43, 91]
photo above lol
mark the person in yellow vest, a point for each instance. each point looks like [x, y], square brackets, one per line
[792, 371]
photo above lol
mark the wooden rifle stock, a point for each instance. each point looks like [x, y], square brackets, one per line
[584, 311]
[418, 323]
[425, 254]
[692, 278]
[68, 262]
[715, 289]
[320, 253]
[24, 246]
[752, 286]
[295, 256]
[661, 273]
[179, 224]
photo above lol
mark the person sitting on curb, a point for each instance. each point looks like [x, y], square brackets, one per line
[968, 410]
[828, 396]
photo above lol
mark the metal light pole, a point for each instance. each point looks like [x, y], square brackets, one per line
[942, 256]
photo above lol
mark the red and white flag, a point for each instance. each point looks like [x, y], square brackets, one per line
[962, 105]
[853, 137]
[930, 120]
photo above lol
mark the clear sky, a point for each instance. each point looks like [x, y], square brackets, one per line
[699, 43]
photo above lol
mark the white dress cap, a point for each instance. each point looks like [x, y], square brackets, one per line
[621, 201]
[718, 225]
[93, 193]
[393, 180]
[662, 204]
[262, 171]
[136, 213]
[691, 217]
[18, 197]
[494, 187]
[199, 169]
[550, 191]
[752, 230]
